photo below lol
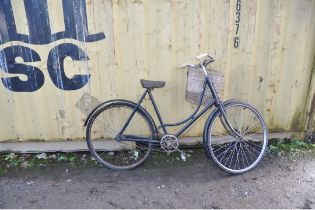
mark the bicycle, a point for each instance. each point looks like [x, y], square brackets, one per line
[235, 135]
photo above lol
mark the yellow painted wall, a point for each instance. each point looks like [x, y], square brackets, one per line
[271, 68]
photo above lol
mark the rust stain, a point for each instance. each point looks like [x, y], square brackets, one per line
[260, 83]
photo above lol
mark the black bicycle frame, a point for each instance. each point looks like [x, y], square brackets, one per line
[189, 120]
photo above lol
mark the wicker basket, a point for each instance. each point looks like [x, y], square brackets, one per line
[195, 82]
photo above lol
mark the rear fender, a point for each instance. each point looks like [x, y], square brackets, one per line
[98, 107]
[120, 100]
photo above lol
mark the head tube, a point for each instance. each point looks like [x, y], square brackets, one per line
[204, 69]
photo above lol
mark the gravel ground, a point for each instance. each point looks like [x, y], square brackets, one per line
[283, 181]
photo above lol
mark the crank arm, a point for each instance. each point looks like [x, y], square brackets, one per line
[183, 155]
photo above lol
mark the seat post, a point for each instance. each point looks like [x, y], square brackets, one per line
[157, 111]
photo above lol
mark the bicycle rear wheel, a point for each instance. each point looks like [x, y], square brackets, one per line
[232, 153]
[103, 127]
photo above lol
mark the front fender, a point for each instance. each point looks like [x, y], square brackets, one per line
[205, 130]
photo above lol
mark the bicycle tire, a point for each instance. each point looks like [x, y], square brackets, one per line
[236, 148]
[91, 142]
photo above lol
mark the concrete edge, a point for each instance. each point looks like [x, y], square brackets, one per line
[77, 146]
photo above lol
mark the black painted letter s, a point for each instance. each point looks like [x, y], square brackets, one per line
[35, 78]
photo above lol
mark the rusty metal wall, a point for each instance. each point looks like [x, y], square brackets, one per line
[58, 59]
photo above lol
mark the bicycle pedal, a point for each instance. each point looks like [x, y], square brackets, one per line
[183, 156]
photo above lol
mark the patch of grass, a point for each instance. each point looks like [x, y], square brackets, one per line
[12, 161]
[17, 161]
[2, 172]
[290, 146]
[175, 156]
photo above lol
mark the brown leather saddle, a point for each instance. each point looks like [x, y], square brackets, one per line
[152, 84]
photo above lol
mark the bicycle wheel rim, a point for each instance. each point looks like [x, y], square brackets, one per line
[238, 150]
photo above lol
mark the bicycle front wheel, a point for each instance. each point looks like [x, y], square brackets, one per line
[104, 126]
[237, 153]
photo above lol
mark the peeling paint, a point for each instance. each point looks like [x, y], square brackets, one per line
[87, 103]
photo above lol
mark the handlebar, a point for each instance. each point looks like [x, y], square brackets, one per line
[187, 65]
[205, 55]
[205, 58]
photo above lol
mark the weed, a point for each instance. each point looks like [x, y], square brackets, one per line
[2, 172]
[15, 162]
[291, 146]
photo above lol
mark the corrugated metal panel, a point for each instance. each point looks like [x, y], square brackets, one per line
[119, 42]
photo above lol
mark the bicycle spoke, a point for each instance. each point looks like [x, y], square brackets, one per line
[220, 132]
[232, 154]
[249, 123]
[245, 142]
[106, 126]
[225, 138]
[226, 160]
[214, 151]
[229, 146]
[237, 159]
[247, 148]
[247, 137]
[240, 128]
[254, 146]
[254, 142]
[251, 126]
[236, 122]
[243, 154]
[249, 153]
[226, 152]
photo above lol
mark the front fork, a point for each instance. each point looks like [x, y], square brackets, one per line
[219, 104]
[226, 124]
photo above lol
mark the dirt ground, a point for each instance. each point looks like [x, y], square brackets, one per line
[164, 182]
